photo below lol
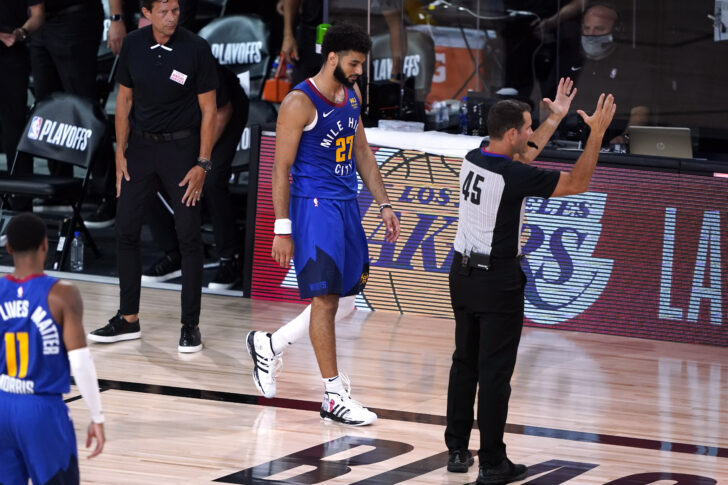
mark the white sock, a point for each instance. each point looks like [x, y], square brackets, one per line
[334, 384]
[346, 306]
[289, 333]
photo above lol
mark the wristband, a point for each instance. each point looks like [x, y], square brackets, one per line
[282, 227]
[284, 236]
[384, 206]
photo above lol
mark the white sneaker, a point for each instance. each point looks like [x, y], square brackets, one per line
[343, 409]
[266, 365]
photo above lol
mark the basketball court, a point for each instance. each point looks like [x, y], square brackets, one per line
[585, 408]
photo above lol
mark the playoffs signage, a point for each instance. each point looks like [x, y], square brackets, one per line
[64, 127]
[59, 133]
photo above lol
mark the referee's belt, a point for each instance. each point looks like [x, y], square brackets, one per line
[482, 261]
[175, 135]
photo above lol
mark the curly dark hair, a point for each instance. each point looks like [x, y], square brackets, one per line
[344, 38]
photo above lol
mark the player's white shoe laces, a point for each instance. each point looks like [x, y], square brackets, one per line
[343, 409]
[266, 365]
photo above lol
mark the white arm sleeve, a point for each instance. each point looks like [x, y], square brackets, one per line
[84, 372]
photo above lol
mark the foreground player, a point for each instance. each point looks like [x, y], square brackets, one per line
[40, 324]
[320, 140]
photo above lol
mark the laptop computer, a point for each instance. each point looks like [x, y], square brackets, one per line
[660, 141]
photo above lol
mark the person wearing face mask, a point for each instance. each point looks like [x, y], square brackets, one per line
[610, 66]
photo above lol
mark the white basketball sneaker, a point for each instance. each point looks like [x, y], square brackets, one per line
[266, 365]
[341, 408]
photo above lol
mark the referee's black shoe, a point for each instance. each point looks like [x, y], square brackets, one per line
[505, 472]
[190, 339]
[116, 330]
[459, 461]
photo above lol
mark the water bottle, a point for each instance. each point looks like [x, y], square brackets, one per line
[438, 107]
[463, 116]
[77, 252]
[444, 115]
[274, 68]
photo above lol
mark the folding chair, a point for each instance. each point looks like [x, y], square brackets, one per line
[240, 43]
[69, 129]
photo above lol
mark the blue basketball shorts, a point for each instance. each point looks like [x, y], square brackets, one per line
[331, 254]
[37, 440]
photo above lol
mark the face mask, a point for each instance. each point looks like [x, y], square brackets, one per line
[597, 46]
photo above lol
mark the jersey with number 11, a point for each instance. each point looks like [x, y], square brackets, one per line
[325, 165]
[33, 358]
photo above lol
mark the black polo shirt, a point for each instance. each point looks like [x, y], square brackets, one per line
[166, 79]
[14, 13]
[53, 6]
[493, 191]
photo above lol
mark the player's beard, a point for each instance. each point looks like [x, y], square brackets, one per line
[341, 77]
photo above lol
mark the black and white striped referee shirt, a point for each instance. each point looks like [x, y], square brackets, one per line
[493, 189]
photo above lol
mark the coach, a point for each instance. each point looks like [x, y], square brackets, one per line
[486, 280]
[165, 117]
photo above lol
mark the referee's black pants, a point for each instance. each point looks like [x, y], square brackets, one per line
[151, 164]
[488, 308]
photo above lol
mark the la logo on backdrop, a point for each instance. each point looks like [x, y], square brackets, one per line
[564, 278]
[411, 276]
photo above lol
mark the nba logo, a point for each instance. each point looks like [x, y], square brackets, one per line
[35, 127]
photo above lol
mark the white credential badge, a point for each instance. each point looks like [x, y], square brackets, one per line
[178, 77]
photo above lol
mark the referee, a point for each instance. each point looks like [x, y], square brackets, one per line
[165, 118]
[486, 280]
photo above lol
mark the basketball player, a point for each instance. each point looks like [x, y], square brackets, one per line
[320, 140]
[42, 340]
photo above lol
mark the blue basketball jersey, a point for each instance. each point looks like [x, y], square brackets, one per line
[33, 358]
[325, 165]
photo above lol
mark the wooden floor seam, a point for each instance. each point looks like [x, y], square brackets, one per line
[411, 417]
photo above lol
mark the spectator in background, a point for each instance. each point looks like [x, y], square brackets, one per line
[63, 51]
[63, 56]
[613, 67]
[391, 10]
[15, 62]
[299, 37]
[539, 39]
[232, 116]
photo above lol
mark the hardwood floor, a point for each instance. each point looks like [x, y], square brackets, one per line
[585, 408]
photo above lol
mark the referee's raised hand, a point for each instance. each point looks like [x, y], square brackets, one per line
[603, 114]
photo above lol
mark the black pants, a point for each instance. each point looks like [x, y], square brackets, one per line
[14, 110]
[63, 56]
[488, 308]
[216, 195]
[309, 63]
[151, 164]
